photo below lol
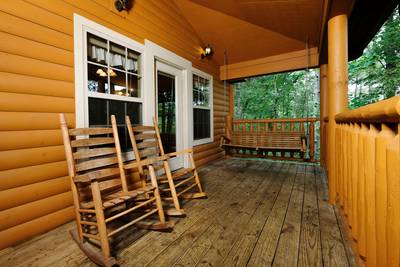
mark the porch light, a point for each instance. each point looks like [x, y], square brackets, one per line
[122, 5]
[207, 52]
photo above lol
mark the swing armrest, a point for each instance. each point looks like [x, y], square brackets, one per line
[304, 142]
[224, 140]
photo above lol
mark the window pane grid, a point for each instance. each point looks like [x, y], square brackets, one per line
[201, 91]
[201, 108]
[114, 62]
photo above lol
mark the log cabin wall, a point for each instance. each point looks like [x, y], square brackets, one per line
[37, 83]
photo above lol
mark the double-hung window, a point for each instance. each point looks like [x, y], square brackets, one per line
[202, 108]
[113, 83]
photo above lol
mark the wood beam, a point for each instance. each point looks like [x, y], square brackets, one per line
[337, 87]
[280, 63]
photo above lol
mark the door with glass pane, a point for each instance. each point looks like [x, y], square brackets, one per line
[168, 81]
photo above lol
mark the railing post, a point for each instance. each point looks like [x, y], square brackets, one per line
[393, 200]
[368, 179]
[381, 143]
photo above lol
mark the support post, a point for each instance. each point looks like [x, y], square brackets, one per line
[228, 126]
[337, 87]
[312, 142]
[231, 99]
[323, 100]
[231, 111]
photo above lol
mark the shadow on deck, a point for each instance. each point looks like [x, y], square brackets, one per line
[258, 213]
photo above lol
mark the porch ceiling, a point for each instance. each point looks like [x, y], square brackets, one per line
[253, 29]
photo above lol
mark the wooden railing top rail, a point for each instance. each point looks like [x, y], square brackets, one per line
[383, 111]
[275, 120]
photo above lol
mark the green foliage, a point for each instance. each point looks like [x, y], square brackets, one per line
[372, 77]
[376, 74]
[283, 95]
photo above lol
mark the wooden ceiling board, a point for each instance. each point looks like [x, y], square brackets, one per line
[299, 19]
[242, 40]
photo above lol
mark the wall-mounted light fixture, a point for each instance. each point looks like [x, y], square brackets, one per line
[122, 5]
[207, 52]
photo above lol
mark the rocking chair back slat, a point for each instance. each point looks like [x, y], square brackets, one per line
[90, 131]
[94, 152]
[95, 141]
[95, 163]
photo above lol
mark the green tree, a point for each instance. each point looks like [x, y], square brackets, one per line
[283, 95]
[376, 74]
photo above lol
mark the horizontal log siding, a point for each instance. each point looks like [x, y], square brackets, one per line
[37, 83]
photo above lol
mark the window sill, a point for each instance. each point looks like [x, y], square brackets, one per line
[202, 141]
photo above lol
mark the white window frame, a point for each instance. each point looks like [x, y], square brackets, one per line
[82, 94]
[208, 77]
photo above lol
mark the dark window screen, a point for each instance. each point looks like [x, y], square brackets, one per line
[201, 123]
[100, 111]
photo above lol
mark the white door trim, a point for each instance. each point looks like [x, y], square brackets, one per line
[153, 53]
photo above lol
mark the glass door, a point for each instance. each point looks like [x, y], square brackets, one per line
[168, 88]
[166, 107]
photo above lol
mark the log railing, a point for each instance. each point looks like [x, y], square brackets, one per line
[266, 126]
[367, 179]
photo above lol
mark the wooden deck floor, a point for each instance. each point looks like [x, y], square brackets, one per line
[258, 213]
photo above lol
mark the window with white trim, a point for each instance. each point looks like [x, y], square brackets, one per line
[113, 83]
[202, 109]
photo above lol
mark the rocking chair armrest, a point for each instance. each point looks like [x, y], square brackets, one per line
[177, 153]
[146, 162]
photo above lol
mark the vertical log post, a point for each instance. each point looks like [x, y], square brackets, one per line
[337, 87]
[231, 110]
[312, 141]
[228, 126]
[323, 93]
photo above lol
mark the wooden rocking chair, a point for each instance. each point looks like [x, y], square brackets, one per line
[103, 204]
[147, 144]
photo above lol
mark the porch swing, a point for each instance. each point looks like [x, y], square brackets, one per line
[281, 139]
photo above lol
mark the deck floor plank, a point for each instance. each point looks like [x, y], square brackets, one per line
[147, 248]
[235, 222]
[310, 253]
[195, 253]
[264, 251]
[258, 213]
[244, 246]
[333, 250]
[224, 213]
[288, 246]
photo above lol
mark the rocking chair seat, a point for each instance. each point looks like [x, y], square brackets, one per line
[119, 197]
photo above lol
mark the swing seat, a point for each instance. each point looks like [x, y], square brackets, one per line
[268, 141]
